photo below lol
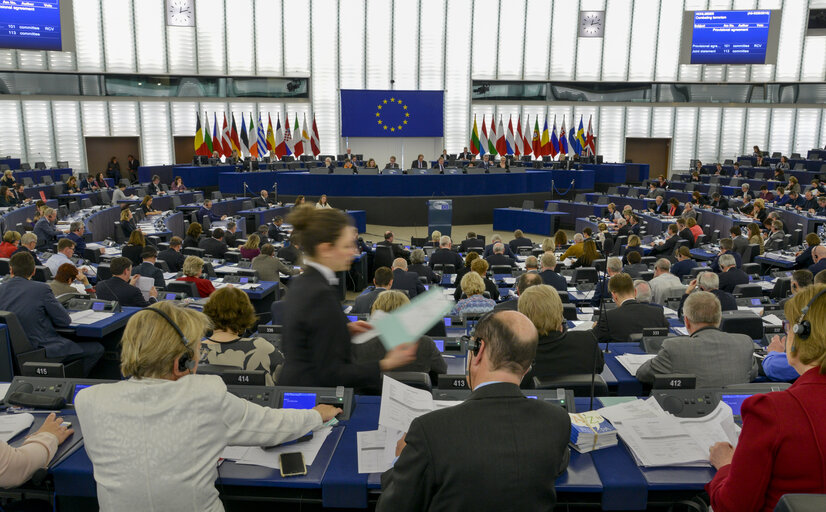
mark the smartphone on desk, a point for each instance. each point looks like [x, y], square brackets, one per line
[292, 464]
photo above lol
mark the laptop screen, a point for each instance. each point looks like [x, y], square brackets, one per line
[299, 400]
[735, 402]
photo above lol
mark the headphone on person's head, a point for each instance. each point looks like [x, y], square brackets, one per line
[803, 328]
[187, 361]
[474, 343]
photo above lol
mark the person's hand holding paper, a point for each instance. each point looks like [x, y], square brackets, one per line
[358, 327]
[401, 355]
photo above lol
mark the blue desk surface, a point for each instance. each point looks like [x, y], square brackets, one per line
[103, 327]
[529, 221]
[193, 176]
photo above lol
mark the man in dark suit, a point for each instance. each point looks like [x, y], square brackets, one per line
[45, 230]
[465, 155]
[623, 229]
[489, 248]
[498, 257]
[19, 194]
[263, 200]
[444, 255]
[684, 233]
[147, 267]
[519, 240]
[440, 164]
[731, 276]
[726, 247]
[718, 202]
[121, 286]
[232, 230]
[290, 252]
[630, 316]
[404, 280]
[214, 245]
[485, 162]
[275, 233]
[524, 282]
[419, 163]
[173, 256]
[666, 248]
[392, 163]
[775, 241]
[548, 272]
[398, 250]
[659, 207]
[471, 243]
[132, 165]
[434, 471]
[206, 211]
[740, 243]
[154, 188]
[28, 242]
[818, 256]
[40, 313]
[708, 282]
[382, 281]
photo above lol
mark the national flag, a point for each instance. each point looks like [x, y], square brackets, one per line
[574, 144]
[546, 148]
[199, 136]
[501, 143]
[483, 139]
[280, 147]
[298, 140]
[474, 138]
[492, 138]
[226, 143]
[590, 141]
[288, 142]
[510, 143]
[315, 144]
[526, 144]
[537, 141]
[245, 141]
[207, 136]
[563, 140]
[233, 136]
[270, 135]
[305, 135]
[216, 135]
[253, 138]
[518, 139]
[580, 137]
[262, 136]
[554, 141]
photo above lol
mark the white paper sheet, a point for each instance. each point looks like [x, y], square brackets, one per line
[13, 424]
[145, 284]
[401, 404]
[88, 316]
[632, 362]
[772, 319]
[582, 325]
[370, 446]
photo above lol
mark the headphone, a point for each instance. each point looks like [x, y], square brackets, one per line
[186, 362]
[474, 343]
[803, 329]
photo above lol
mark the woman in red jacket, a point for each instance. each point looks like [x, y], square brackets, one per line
[193, 267]
[782, 448]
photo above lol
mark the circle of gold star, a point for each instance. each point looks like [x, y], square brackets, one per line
[382, 108]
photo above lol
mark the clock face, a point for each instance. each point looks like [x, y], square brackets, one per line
[591, 23]
[180, 13]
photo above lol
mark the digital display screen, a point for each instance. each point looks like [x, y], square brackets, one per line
[244, 280]
[30, 25]
[170, 296]
[447, 321]
[352, 318]
[98, 306]
[755, 302]
[735, 402]
[298, 401]
[730, 37]
[532, 396]
[440, 344]
[78, 387]
[426, 287]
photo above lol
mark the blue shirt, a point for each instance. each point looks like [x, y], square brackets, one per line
[776, 367]
[80, 244]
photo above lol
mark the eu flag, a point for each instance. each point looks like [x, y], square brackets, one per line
[392, 113]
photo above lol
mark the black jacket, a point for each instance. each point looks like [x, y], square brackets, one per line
[500, 259]
[424, 271]
[213, 247]
[727, 301]
[516, 243]
[730, 279]
[133, 252]
[565, 353]
[117, 289]
[551, 278]
[629, 318]
[666, 249]
[173, 258]
[147, 269]
[403, 280]
[398, 250]
[471, 244]
[525, 450]
[446, 257]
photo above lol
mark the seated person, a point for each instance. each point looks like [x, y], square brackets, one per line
[214, 245]
[154, 188]
[684, 263]
[727, 247]
[519, 240]
[471, 243]
[397, 249]
[37, 451]
[418, 266]
[39, 313]
[708, 282]
[630, 316]
[404, 280]
[232, 316]
[147, 267]
[65, 251]
[635, 267]
[206, 211]
[717, 358]
[480, 266]
[193, 235]
[589, 255]
[549, 274]
[120, 194]
[65, 276]
[445, 255]
[666, 248]
[291, 252]
[560, 351]
[134, 247]
[575, 250]
[274, 232]
[428, 358]
[663, 282]
[121, 286]
[818, 256]
[634, 245]
[730, 275]
[382, 281]
[718, 202]
[475, 303]
[193, 268]
[269, 267]
[498, 257]
[28, 242]
[160, 365]
[146, 207]
[779, 449]
[173, 256]
[498, 239]
[250, 249]
[11, 241]
[524, 282]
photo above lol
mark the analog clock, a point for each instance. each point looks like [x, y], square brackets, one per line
[180, 13]
[591, 23]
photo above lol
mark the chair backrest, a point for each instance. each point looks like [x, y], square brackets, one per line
[801, 503]
[194, 251]
[527, 204]
[782, 288]
[18, 340]
[743, 322]
[448, 268]
[500, 269]
[752, 253]
[748, 290]
[418, 380]
[4, 267]
[217, 196]
[42, 274]
[587, 274]
[383, 257]
[246, 205]
[579, 383]
[187, 287]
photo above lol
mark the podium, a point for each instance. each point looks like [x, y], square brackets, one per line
[439, 216]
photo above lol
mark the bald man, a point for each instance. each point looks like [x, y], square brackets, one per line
[819, 257]
[404, 280]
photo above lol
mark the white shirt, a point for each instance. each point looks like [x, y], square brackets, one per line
[54, 262]
[155, 443]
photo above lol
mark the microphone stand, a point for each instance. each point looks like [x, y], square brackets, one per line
[275, 192]
[601, 318]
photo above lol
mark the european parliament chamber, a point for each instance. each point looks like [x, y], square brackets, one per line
[413, 255]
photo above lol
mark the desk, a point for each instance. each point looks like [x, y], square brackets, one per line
[359, 219]
[37, 174]
[258, 216]
[193, 176]
[11, 219]
[529, 221]
[102, 223]
[13, 163]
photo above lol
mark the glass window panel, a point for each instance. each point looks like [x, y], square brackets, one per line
[118, 36]
[156, 141]
[31, 60]
[88, 37]
[537, 39]
[378, 44]
[609, 133]
[241, 49]
[814, 60]
[708, 134]
[325, 83]
[8, 59]
[297, 37]
[150, 33]
[405, 55]
[714, 73]
[181, 50]
[668, 40]
[484, 38]
[511, 37]
[684, 139]
[737, 73]
[689, 73]
[782, 131]
[61, 61]
[617, 38]
[792, 28]
[68, 138]
[210, 33]
[637, 122]
[458, 122]
[123, 118]
[38, 122]
[731, 144]
[432, 45]
[662, 123]
[757, 128]
[11, 144]
[644, 40]
[269, 52]
[589, 63]
[563, 38]
[351, 44]
[806, 131]
[95, 118]
[183, 118]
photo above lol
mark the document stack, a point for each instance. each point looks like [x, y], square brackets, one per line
[590, 431]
